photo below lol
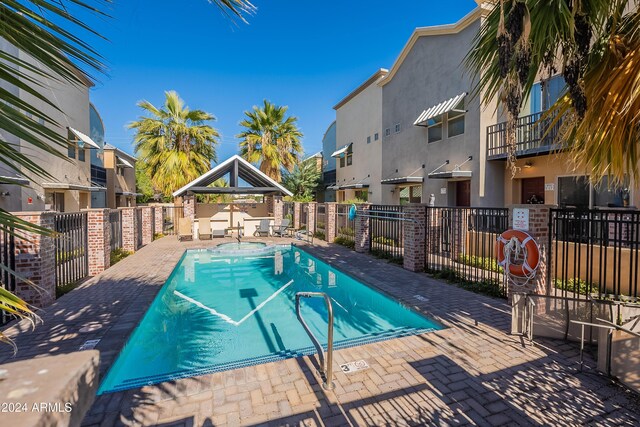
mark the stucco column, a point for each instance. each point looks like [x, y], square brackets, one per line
[311, 217]
[129, 229]
[36, 261]
[297, 212]
[538, 228]
[330, 222]
[362, 232]
[414, 235]
[99, 240]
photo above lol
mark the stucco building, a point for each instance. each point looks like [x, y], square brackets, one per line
[121, 177]
[327, 193]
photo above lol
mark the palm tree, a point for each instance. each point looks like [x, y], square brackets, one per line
[46, 30]
[594, 44]
[270, 138]
[175, 144]
[303, 180]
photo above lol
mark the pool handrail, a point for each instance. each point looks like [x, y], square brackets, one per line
[326, 369]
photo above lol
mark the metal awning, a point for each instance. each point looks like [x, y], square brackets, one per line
[333, 186]
[84, 138]
[342, 151]
[123, 162]
[363, 183]
[127, 193]
[68, 186]
[450, 175]
[403, 180]
[437, 110]
[17, 180]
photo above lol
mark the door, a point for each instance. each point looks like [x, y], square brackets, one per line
[532, 190]
[463, 193]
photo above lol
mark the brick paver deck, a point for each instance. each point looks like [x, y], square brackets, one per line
[473, 372]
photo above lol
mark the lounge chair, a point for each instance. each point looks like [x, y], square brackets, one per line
[262, 229]
[204, 229]
[185, 229]
[280, 230]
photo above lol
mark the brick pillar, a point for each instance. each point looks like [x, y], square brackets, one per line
[129, 229]
[99, 240]
[362, 235]
[311, 217]
[278, 209]
[159, 219]
[330, 222]
[36, 261]
[189, 207]
[297, 213]
[539, 230]
[269, 202]
[147, 229]
[414, 237]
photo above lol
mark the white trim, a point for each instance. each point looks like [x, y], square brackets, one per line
[123, 162]
[340, 151]
[84, 138]
[204, 176]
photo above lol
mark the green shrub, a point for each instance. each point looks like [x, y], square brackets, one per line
[386, 255]
[66, 288]
[320, 225]
[385, 241]
[575, 285]
[346, 231]
[344, 241]
[119, 254]
[490, 287]
[486, 263]
[157, 236]
[319, 235]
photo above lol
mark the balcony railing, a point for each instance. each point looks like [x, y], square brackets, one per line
[533, 136]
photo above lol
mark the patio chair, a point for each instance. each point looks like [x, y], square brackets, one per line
[262, 229]
[204, 229]
[280, 230]
[185, 229]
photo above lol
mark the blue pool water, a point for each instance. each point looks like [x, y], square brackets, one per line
[221, 312]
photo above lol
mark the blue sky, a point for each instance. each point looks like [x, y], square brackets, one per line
[307, 55]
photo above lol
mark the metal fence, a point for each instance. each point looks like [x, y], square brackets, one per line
[115, 222]
[138, 227]
[460, 245]
[288, 212]
[72, 257]
[8, 261]
[345, 227]
[386, 231]
[321, 221]
[170, 218]
[594, 252]
[304, 216]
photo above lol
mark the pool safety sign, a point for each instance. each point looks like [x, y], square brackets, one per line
[521, 219]
[351, 367]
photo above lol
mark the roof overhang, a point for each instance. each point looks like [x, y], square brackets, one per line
[450, 175]
[68, 186]
[237, 168]
[127, 193]
[403, 180]
[85, 139]
[363, 183]
[123, 162]
[439, 109]
[341, 152]
[333, 186]
[15, 180]
[381, 73]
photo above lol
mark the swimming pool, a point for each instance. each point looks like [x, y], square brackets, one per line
[223, 312]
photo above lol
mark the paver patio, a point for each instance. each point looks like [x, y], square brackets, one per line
[472, 372]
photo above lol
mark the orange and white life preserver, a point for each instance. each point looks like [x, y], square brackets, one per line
[530, 251]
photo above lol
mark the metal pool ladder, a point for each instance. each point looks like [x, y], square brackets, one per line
[326, 365]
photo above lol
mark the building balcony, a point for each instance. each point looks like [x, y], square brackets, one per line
[534, 136]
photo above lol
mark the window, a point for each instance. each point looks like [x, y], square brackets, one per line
[573, 191]
[54, 202]
[375, 136]
[387, 132]
[455, 120]
[434, 129]
[342, 162]
[368, 140]
[545, 94]
[362, 195]
[397, 127]
[411, 194]
[605, 195]
[349, 158]
[81, 152]
[71, 151]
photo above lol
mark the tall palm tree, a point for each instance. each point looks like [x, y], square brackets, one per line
[595, 45]
[174, 143]
[49, 31]
[270, 138]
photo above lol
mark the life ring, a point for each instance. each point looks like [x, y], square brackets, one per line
[353, 210]
[530, 249]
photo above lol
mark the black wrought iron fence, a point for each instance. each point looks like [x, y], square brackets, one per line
[8, 261]
[138, 227]
[288, 212]
[594, 252]
[115, 223]
[170, 218]
[72, 257]
[321, 221]
[153, 223]
[460, 245]
[386, 231]
[345, 227]
[304, 216]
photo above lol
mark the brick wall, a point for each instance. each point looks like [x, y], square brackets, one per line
[362, 228]
[297, 213]
[99, 240]
[278, 209]
[147, 224]
[159, 219]
[35, 261]
[330, 222]
[414, 237]
[311, 217]
[129, 229]
[189, 207]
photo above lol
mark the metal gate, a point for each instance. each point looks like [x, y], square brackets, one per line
[8, 261]
[72, 257]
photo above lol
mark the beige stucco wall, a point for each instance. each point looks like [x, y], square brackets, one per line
[119, 183]
[359, 118]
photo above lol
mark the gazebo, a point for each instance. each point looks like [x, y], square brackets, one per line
[242, 178]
